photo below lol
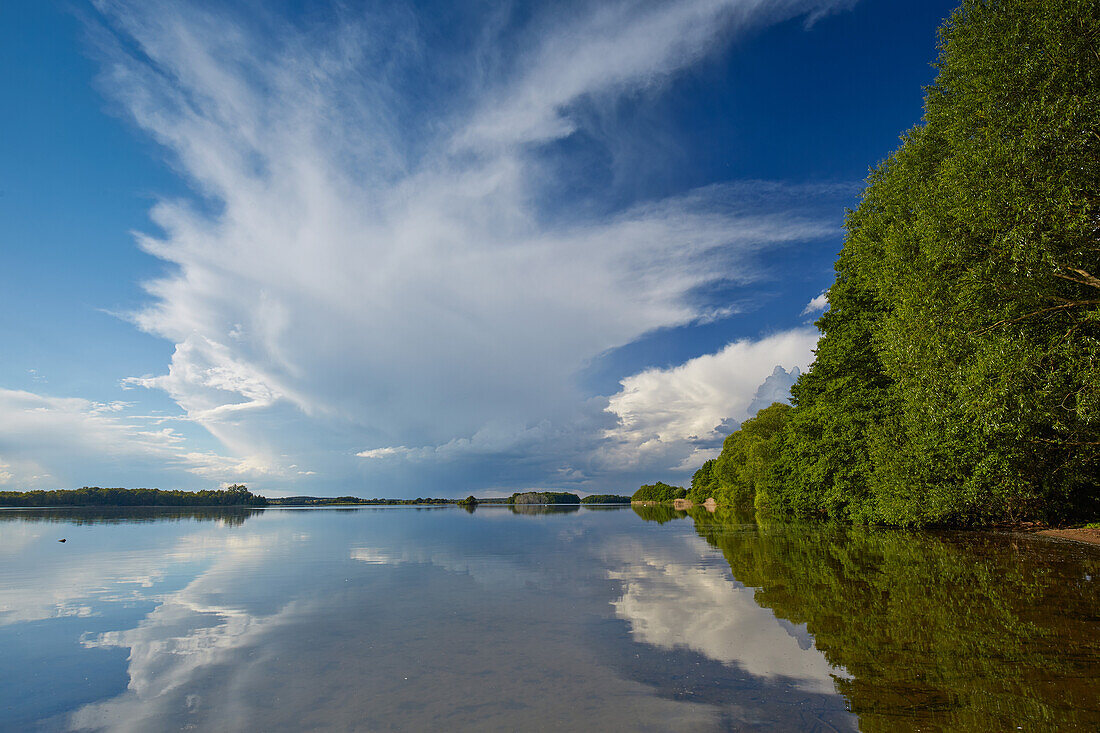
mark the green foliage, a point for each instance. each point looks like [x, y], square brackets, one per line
[659, 491]
[823, 460]
[746, 465]
[934, 631]
[957, 380]
[605, 499]
[470, 500]
[235, 495]
[544, 497]
[703, 483]
[659, 513]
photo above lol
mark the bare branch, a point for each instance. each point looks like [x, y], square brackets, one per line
[1084, 279]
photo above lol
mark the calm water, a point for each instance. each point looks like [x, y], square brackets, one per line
[419, 619]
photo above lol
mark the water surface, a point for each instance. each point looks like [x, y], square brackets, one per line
[409, 618]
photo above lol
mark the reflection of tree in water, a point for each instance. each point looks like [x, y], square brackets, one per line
[232, 516]
[658, 513]
[544, 508]
[958, 631]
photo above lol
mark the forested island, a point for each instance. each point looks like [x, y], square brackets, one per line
[957, 379]
[605, 499]
[544, 497]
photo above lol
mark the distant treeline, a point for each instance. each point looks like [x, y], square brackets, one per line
[355, 500]
[240, 496]
[524, 497]
[957, 378]
[95, 496]
[605, 499]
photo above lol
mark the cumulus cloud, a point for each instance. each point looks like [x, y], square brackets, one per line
[368, 268]
[776, 388]
[817, 305]
[673, 416]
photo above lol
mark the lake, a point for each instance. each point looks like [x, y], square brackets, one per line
[401, 618]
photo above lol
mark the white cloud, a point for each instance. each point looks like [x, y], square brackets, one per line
[51, 442]
[817, 305]
[66, 584]
[384, 452]
[490, 572]
[616, 48]
[207, 381]
[206, 634]
[665, 414]
[190, 631]
[229, 649]
[671, 604]
[357, 279]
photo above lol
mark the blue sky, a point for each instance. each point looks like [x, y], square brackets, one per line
[423, 249]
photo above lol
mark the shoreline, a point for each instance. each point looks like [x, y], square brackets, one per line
[1083, 535]
[1080, 535]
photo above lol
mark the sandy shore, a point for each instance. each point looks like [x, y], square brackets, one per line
[1090, 535]
[684, 504]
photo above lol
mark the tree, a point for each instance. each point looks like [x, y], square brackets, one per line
[958, 375]
[659, 492]
[747, 461]
[703, 483]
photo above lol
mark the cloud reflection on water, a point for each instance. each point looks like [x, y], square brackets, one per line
[674, 601]
[414, 620]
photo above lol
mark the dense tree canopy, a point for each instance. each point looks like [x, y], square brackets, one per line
[659, 491]
[957, 379]
[745, 465]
